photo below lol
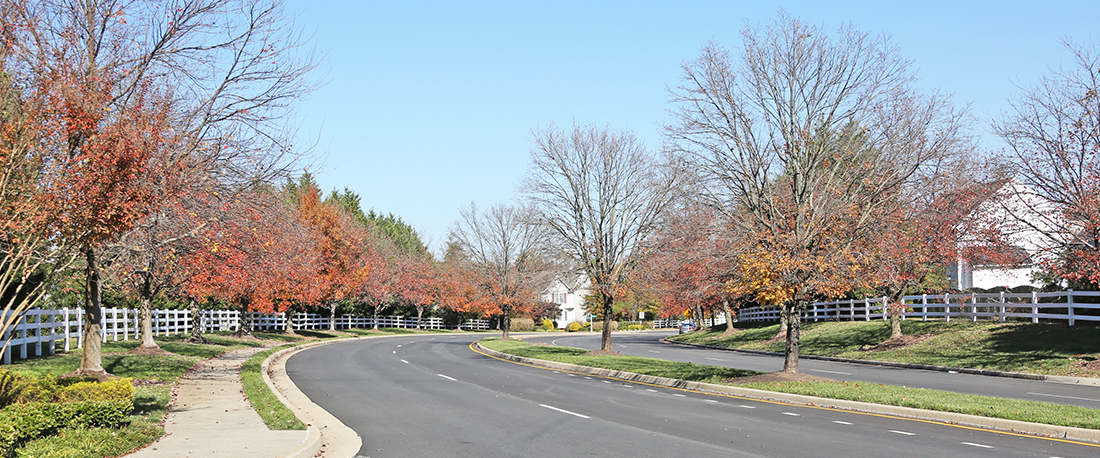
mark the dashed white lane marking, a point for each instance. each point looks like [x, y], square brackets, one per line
[841, 422]
[746, 407]
[905, 433]
[406, 362]
[712, 401]
[572, 375]
[653, 351]
[653, 391]
[395, 352]
[398, 346]
[448, 378]
[680, 395]
[564, 411]
[830, 372]
[1065, 397]
[977, 445]
[792, 414]
[715, 359]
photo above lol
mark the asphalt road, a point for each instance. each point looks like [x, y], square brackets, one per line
[433, 395]
[647, 344]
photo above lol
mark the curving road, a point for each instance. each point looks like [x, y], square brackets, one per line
[432, 395]
[648, 344]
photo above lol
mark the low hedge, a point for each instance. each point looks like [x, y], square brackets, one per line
[20, 423]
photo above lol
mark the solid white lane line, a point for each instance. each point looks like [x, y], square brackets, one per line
[841, 422]
[715, 359]
[406, 362]
[903, 432]
[792, 414]
[1065, 397]
[977, 445]
[831, 372]
[564, 411]
[448, 378]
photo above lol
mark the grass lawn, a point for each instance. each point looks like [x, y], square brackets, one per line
[636, 364]
[1048, 349]
[1032, 411]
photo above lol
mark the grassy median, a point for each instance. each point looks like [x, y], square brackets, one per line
[1039, 348]
[1031, 411]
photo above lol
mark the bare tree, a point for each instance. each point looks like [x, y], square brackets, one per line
[506, 247]
[806, 142]
[1053, 135]
[601, 192]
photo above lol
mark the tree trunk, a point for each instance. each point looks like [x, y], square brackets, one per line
[419, 316]
[605, 333]
[895, 309]
[783, 318]
[729, 318]
[146, 311]
[506, 326]
[790, 358]
[245, 328]
[332, 315]
[374, 321]
[196, 323]
[91, 360]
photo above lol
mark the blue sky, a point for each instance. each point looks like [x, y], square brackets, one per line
[428, 106]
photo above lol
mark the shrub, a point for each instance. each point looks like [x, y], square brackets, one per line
[20, 423]
[523, 324]
[598, 325]
[574, 326]
[547, 325]
[635, 327]
[116, 390]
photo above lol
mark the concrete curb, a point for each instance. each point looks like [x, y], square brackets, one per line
[1080, 434]
[962, 370]
[327, 435]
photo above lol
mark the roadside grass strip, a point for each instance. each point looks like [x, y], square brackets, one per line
[944, 401]
[635, 364]
[274, 414]
[1034, 348]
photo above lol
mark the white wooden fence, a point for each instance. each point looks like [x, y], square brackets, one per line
[1068, 306]
[41, 330]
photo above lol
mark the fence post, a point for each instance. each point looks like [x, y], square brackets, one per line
[1002, 312]
[924, 307]
[80, 328]
[973, 308]
[1034, 307]
[866, 310]
[946, 307]
[1069, 302]
[884, 311]
[65, 310]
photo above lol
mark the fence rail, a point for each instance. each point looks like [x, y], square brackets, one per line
[45, 331]
[1068, 306]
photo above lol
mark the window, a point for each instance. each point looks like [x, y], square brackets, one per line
[559, 298]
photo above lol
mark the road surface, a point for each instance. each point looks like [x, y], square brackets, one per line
[433, 395]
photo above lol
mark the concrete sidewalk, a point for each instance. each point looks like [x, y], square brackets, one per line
[210, 416]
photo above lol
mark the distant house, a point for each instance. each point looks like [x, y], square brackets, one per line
[568, 293]
[1028, 222]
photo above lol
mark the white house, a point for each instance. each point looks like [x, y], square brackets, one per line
[1028, 222]
[568, 292]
